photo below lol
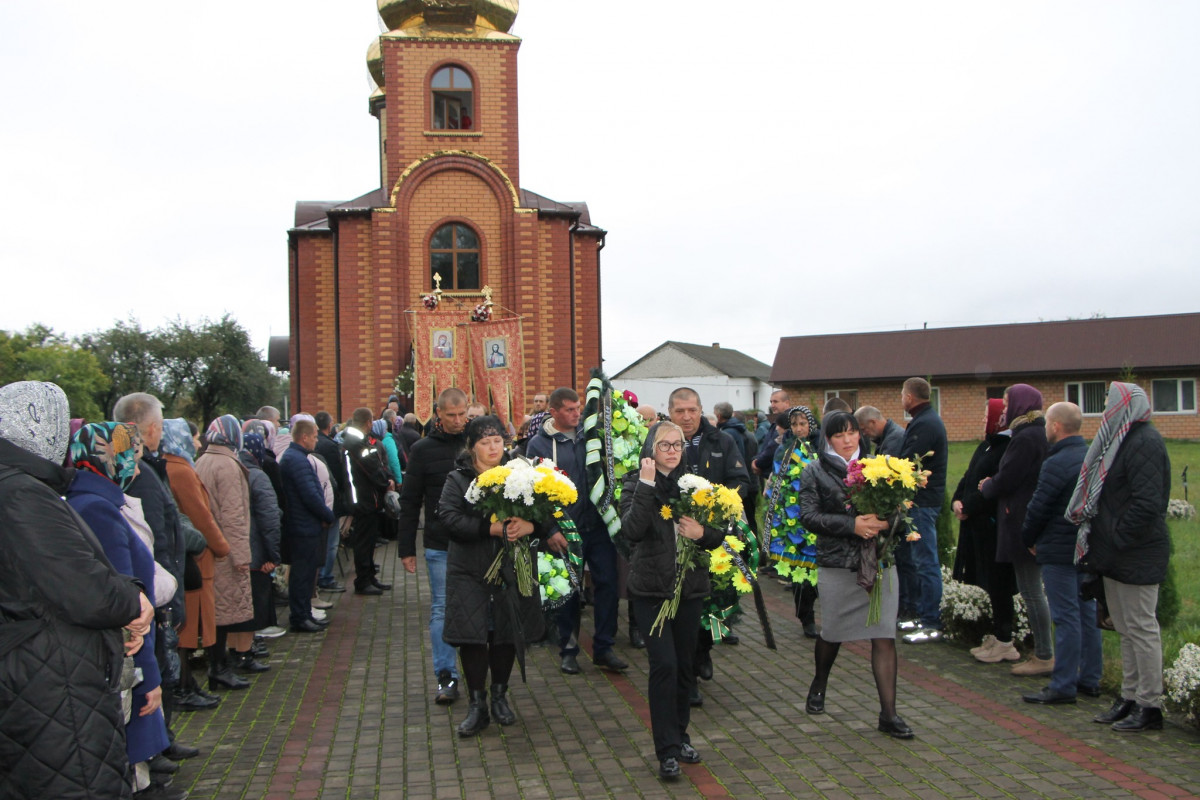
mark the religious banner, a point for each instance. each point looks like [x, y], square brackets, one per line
[440, 357]
[499, 362]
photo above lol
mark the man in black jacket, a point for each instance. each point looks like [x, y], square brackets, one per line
[715, 456]
[305, 524]
[429, 462]
[917, 562]
[1050, 536]
[369, 480]
[885, 436]
[331, 453]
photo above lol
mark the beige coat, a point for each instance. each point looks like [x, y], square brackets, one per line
[229, 495]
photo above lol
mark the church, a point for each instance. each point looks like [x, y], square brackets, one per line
[449, 215]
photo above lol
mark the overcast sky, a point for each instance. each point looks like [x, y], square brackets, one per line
[764, 169]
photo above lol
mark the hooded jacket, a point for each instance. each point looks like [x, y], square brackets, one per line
[61, 609]
[430, 461]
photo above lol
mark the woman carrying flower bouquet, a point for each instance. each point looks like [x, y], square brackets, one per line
[791, 546]
[647, 520]
[479, 619]
[843, 538]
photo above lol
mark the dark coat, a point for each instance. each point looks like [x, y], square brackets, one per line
[98, 501]
[430, 461]
[719, 459]
[569, 453]
[1129, 541]
[162, 515]
[1046, 525]
[975, 557]
[736, 429]
[890, 441]
[823, 501]
[472, 551]
[306, 514]
[652, 561]
[265, 516]
[61, 609]
[369, 475]
[1012, 487]
[331, 452]
[925, 433]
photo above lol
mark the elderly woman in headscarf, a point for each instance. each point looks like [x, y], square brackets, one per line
[105, 456]
[192, 498]
[1120, 506]
[62, 607]
[229, 494]
[270, 464]
[792, 548]
[264, 543]
[1012, 488]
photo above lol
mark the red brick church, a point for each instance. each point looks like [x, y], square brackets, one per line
[449, 204]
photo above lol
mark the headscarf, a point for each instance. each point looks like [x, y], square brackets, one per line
[1022, 399]
[35, 416]
[379, 429]
[109, 449]
[483, 427]
[177, 440]
[225, 431]
[264, 428]
[1127, 404]
[256, 446]
[995, 413]
[808, 415]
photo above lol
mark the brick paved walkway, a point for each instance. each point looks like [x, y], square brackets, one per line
[349, 713]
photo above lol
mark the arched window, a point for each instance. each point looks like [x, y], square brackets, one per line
[453, 100]
[454, 254]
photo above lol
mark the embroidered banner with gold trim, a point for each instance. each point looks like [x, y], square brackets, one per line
[499, 362]
[440, 354]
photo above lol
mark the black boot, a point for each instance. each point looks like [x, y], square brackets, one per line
[245, 662]
[501, 710]
[636, 640]
[1142, 718]
[220, 675]
[477, 715]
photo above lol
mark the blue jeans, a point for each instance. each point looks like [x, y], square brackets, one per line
[919, 571]
[1077, 656]
[335, 537]
[444, 656]
[600, 555]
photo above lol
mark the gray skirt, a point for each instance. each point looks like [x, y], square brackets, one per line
[844, 605]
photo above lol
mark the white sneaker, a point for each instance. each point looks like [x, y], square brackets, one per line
[923, 636]
[999, 651]
[317, 614]
[273, 632]
[908, 625]
[984, 646]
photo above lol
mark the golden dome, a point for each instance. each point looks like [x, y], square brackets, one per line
[375, 62]
[488, 15]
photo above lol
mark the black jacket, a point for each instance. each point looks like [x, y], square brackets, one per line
[925, 433]
[162, 515]
[1046, 525]
[368, 472]
[331, 452]
[472, 550]
[975, 557]
[1012, 487]
[652, 561]
[569, 453]
[1129, 541]
[890, 441]
[736, 429]
[429, 463]
[61, 609]
[719, 459]
[305, 516]
[265, 516]
[823, 502]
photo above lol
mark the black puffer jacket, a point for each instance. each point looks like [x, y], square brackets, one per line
[652, 561]
[1129, 541]
[429, 462]
[823, 502]
[61, 609]
[718, 459]
[1046, 525]
[1012, 487]
[927, 433]
[976, 553]
[472, 551]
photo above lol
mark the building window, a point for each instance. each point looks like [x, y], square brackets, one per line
[454, 254]
[935, 400]
[1090, 396]
[453, 100]
[1174, 396]
[849, 395]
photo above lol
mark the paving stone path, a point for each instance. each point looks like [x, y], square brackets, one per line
[349, 713]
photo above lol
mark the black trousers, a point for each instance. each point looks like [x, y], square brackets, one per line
[308, 556]
[363, 534]
[672, 671]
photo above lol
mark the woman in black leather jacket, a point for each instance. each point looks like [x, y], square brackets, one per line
[646, 520]
[841, 536]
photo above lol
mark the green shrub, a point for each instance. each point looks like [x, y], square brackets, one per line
[947, 535]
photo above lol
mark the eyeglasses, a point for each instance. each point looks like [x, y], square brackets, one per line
[666, 447]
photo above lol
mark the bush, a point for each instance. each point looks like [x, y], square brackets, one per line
[1169, 602]
[947, 535]
[1181, 683]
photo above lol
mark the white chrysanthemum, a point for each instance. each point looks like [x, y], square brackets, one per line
[691, 483]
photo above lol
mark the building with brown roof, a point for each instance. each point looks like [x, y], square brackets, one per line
[1070, 360]
[718, 374]
[449, 204]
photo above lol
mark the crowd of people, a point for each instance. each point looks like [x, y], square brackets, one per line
[135, 549]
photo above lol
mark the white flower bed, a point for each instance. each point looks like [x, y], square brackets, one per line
[1180, 509]
[1182, 683]
[967, 612]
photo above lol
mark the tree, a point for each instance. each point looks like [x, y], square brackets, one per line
[128, 355]
[40, 354]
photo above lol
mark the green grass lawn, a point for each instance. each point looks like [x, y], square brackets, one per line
[1185, 560]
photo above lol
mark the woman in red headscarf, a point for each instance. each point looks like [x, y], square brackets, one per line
[975, 560]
